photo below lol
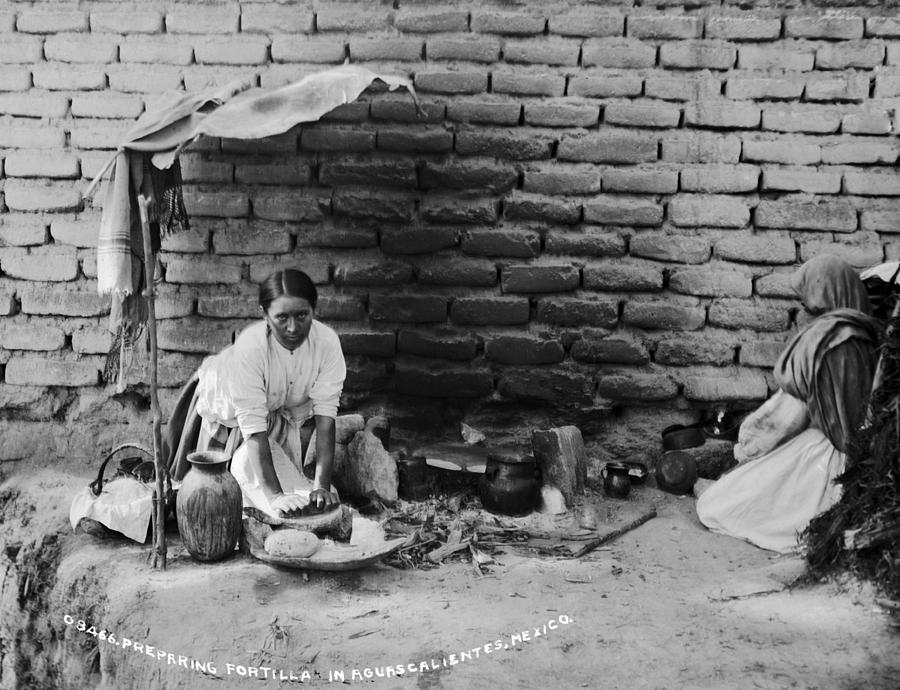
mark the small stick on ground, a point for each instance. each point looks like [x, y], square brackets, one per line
[609, 536]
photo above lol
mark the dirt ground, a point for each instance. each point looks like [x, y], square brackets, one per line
[668, 605]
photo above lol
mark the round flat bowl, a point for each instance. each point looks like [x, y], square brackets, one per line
[679, 437]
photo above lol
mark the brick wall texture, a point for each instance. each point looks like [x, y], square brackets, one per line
[594, 212]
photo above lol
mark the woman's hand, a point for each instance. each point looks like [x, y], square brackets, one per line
[287, 504]
[322, 499]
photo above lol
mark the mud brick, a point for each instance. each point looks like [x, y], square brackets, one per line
[196, 335]
[206, 270]
[159, 49]
[7, 302]
[561, 179]
[509, 243]
[547, 51]
[830, 27]
[136, 20]
[413, 139]
[427, 20]
[130, 79]
[340, 308]
[837, 87]
[408, 308]
[33, 334]
[589, 242]
[723, 114]
[761, 248]
[197, 167]
[871, 183]
[613, 277]
[387, 172]
[701, 147]
[615, 209]
[716, 210]
[270, 19]
[185, 19]
[482, 111]
[371, 272]
[757, 315]
[232, 51]
[173, 302]
[893, 55]
[618, 53]
[59, 76]
[34, 104]
[535, 278]
[202, 201]
[561, 114]
[720, 179]
[578, 312]
[522, 349]
[441, 343]
[700, 54]
[736, 385]
[308, 50]
[761, 353]
[21, 49]
[690, 349]
[23, 229]
[867, 122]
[15, 78]
[743, 28]
[525, 206]
[80, 231]
[81, 48]
[860, 250]
[402, 108]
[521, 144]
[98, 134]
[73, 299]
[609, 350]
[675, 248]
[451, 82]
[399, 49]
[40, 163]
[492, 21]
[340, 139]
[384, 204]
[820, 120]
[888, 27]
[470, 174]
[861, 151]
[880, 219]
[670, 87]
[194, 241]
[245, 239]
[745, 86]
[636, 386]
[446, 208]
[367, 343]
[91, 340]
[482, 311]
[50, 21]
[233, 304]
[30, 370]
[587, 22]
[786, 151]
[887, 86]
[658, 26]
[642, 114]
[859, 54]
[706, 282]
[800, 179]
[452, 270]
[52, 197]
[792, 57]
[328, 235]
[175, 369]
[526, 82]
[608, 148]
[664, 315]
[204, 76]
[107, 105]
[548, 384]
[410, 240]
[352, 20]
[640, 181]
[590, 85]
[822, 214]
[775, 285]
[441, 381]
[463, 47]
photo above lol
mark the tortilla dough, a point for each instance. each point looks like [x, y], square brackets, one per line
[292, 542]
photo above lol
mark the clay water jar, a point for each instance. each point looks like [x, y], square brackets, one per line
[616, 481]
[510, 485]
[209, 507]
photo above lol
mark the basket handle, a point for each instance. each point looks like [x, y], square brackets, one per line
[96, 486]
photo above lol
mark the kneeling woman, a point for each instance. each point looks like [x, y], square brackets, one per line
[825, 376]
[251, 399]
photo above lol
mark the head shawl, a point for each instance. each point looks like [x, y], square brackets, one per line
[827, 282]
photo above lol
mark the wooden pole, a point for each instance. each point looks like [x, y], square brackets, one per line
[159, 501]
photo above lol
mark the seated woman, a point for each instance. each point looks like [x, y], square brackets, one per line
[250, 400]
[794, 446]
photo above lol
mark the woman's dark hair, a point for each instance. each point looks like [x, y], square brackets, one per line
[290, 282]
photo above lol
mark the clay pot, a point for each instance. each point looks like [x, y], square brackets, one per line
[679, 437]
[510, 484]
[208, 507]
[413, 478]
[676, 472]
[616, 482]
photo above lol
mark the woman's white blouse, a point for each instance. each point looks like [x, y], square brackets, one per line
[256, 375]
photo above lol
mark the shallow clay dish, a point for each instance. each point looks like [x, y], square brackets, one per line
[679, 437]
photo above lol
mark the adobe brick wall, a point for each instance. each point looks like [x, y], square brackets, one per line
[591, 221]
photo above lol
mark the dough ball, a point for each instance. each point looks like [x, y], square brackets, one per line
[292, 543]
